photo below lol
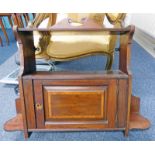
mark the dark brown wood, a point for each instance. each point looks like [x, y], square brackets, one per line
[23, 108]
[137, 121]
[18, 106]
[135, 104]
[75, 75]
[27, 54]
[125, 50]
[40, 120]
[50, 93]
[77, 100]
[122, 103]
[1, 42]
[29, 103]
[74, 103]
[80, 28]
[124, 65]
[14, 124]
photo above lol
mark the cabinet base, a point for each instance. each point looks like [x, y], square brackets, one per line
[137, 121]
[14, 124]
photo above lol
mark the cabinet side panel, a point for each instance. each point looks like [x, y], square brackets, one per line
[39, 104]
[122, 104]
[111, 106]
[29, 102]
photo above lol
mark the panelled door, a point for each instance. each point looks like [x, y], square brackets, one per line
[75, 104]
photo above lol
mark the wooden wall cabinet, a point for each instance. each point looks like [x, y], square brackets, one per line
[76, 104]
[70, 101]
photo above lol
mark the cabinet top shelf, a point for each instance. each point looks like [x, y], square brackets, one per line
[89, 25]
[76, 75]
[125, 29]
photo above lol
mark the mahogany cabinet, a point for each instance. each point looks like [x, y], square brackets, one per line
[76, 102]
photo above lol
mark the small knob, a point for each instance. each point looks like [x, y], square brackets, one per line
[39, 106]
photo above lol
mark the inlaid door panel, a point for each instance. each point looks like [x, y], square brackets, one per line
[68, 103]
[71, 107]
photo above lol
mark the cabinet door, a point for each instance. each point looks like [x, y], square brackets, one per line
[70, 105]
